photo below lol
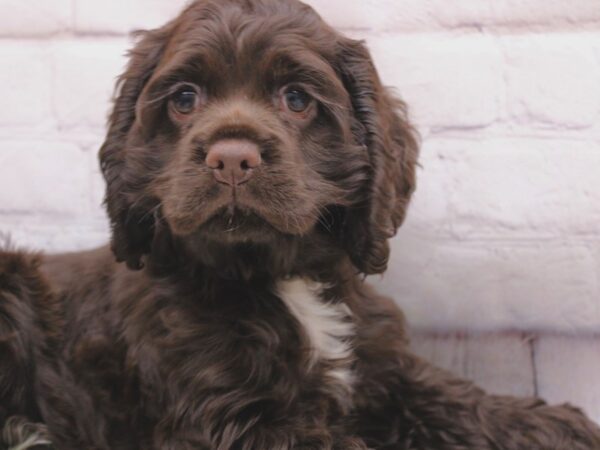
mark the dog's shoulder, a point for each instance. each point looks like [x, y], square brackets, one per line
[66, 271]
[18, 269]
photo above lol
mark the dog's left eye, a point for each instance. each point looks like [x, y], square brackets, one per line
[297, 100]
[185, 100]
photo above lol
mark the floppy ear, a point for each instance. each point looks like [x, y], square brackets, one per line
[131, 222]
[392, 144]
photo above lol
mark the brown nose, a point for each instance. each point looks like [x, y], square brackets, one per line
[233, 160]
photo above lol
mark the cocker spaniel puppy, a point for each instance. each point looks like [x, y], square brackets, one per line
[256, 168]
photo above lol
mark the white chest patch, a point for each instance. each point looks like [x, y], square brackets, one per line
[328, 327]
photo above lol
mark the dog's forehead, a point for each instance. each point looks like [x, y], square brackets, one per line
[225, 46]
[252, 32]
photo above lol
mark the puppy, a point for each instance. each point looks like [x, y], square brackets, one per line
[256, 168]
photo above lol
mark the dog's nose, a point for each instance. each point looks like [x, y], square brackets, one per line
[233, 160]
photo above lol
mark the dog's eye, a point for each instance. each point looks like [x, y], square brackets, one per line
[297, 100]
[185, 100]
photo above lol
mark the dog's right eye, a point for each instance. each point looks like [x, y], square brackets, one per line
[185, 100]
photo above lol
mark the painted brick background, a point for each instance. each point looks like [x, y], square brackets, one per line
[498, 265]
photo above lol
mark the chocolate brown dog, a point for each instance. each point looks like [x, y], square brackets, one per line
[255, 170]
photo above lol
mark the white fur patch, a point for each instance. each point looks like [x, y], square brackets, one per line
[328, 326]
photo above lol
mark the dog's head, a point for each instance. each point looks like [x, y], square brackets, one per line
[252, 124]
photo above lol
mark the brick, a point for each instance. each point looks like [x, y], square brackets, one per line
[98, 188]
[429, 210]
[556, 13]
[25, 78]
[96, 180]
[54, 235]
[85, 75]
[362, 14]
[114, 16]
[430, 14]
[499, 363]
[512, 188]
[41, 176]
[380, 15]
[512, 13]
[552, 79]
[493, 285]
[568, 368]
[35, 17]
[448, 82]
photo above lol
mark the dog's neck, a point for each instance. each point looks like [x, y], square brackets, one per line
[312, 257]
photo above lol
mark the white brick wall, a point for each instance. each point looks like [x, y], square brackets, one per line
[504, 232]
[35, 17]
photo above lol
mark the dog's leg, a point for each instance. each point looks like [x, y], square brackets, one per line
[288, 432]
[19, 286]
[36, 388]
[20, 434]
[16, 353]
[425, 408]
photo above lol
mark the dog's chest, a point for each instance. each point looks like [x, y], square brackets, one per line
[288, 345]
[326, 328]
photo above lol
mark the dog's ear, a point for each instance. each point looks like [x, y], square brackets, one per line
[131, 221]
[381, 124]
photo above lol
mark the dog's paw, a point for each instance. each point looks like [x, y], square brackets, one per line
[20, 434]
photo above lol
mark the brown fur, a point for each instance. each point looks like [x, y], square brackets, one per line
[187, 345]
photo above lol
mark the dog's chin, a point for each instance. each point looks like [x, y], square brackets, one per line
[241, 224]
[241, 244]
[233, 225]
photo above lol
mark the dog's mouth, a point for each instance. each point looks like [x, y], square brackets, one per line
[238, 223]
[240, 220]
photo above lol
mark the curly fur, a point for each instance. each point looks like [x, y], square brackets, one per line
[240, 319]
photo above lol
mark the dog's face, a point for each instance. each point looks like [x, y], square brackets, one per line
[254, 124]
